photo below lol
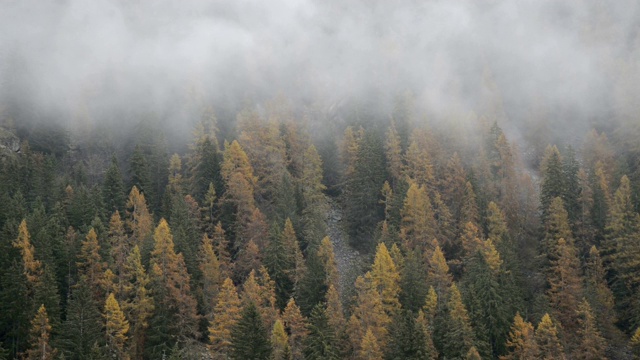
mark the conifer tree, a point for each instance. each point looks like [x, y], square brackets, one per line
[312, 287]
[175, 308]
[40, 334]
[469, 209]
[280, 342]
[82, 328]
[386, 279]
[454, 185]
[138, 303]
[565, 285]
[314, 202]
[211, 275]
[297, 329]
[120, 248]
[552, 179]
[473, 354]
[328, 258]
[409, 338]
[413, 287]
[418, 225]
[117, 328]
[547, 340]
[368, 313]
[592, 345]
[521, 343]
[221, 247]
[91, 267]
[140, 172]
[139, 222]
[369, 348]
[556, 227]
[113, 191]
[240, 181]
[459, 337]
[419, 168]
[438, 274]
[225, 315]
[260, 291]
[248, 259]
[320, 343]
[249, 337]
[635, 342]
[622, 251]
[599, 295]
[32, 267]
[393, 152]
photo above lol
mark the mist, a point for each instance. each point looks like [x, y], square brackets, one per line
[80, 64]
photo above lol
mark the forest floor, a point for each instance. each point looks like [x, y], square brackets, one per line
[350, 262]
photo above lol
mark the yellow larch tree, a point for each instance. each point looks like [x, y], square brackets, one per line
[225, 315]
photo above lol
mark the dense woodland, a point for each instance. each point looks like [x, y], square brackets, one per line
[221, 251]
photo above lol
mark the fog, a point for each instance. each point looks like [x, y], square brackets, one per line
[573, 64]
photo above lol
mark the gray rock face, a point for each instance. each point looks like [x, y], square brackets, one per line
[8, 141]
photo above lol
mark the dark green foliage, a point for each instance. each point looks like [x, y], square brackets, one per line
[206, 170]
[139, 173]
[321, 341]
[362, 210]
[407, 339]
[552, 179]
[413, 287]
[280, 266]
[489, 303]
[113, 192]
[81, 330]
[313, 287]
[15, 307]
[249, 338]
[571, 195]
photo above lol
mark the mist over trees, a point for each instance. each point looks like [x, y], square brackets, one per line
[319, 180]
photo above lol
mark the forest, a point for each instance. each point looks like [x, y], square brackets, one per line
[428, 184]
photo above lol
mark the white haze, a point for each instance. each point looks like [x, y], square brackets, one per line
[106, 61]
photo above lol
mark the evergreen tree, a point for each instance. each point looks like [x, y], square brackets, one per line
[413, 287]
[313, 286]
[459, 337]
[138, 303]
[140, 173]
[565, 285]
[552, 179]
[393, 153]
[407, 338]
[622, 252]
[314, 202]
[113, 188]
[249, 337]
[82, 328]
[320, 343]
[599, 295]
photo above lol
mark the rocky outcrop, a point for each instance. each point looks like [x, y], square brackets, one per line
[9, 142]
